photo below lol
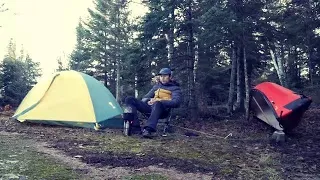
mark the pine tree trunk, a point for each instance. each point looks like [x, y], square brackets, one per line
[247, 85]
[309, 44]
[105, 79]
[232, 80]
[170, 39]
[297, 68]
[170, 47]
[240, 80]
[310, 66]
[118, 60]
[192, 101]
[118, 81]
[290, 67]
[170, 36]
[282, 72]
[195, 64]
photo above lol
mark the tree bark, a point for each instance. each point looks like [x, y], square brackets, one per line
[278, 65]
[136, 91]
[118, 81]
[105, 65]
[238, 79]
[118, 57]
[239, 106]
[169, 38]
[170, 35]
[310, 65]
[191, 53]
[232, 80]
[247, 85]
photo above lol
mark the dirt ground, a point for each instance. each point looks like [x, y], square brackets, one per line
[227, 149]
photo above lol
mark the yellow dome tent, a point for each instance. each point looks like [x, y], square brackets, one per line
[70, 98]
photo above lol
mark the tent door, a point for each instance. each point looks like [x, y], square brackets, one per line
[263, 111]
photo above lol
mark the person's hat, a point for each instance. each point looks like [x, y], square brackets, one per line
[165, 71]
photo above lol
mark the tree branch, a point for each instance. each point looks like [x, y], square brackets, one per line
[1, 8]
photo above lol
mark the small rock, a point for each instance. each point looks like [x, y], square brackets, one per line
[140, 154]
[241, 165]
[278, 136]
[300, 158]
[226, 163]
[78, 156]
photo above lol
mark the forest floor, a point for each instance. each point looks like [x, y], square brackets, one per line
[246, 154]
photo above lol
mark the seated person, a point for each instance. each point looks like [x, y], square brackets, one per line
[165, 94]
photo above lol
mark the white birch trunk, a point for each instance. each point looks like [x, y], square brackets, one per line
[278, 65]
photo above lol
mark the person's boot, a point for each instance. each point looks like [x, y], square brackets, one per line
[147, 132]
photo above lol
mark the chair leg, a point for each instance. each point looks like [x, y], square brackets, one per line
[166, 125]
[165, 129]
[127, 128]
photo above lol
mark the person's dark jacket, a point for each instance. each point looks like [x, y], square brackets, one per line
[173, 87]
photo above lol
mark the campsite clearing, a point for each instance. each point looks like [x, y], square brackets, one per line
[247, 154]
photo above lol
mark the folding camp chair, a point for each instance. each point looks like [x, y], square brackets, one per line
[165, 119]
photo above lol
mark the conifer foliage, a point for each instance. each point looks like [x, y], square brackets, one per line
[218, 50]
[18, 74]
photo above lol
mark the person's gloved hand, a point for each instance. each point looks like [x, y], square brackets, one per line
[151, 101]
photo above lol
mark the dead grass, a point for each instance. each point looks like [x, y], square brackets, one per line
[247, 154]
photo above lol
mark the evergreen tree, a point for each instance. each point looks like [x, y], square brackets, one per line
[109, 35]
[32, 71]
[253, 41]
[61, 66]
[17, 76]
[11, 50]
[80, 59]
[13, 79]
